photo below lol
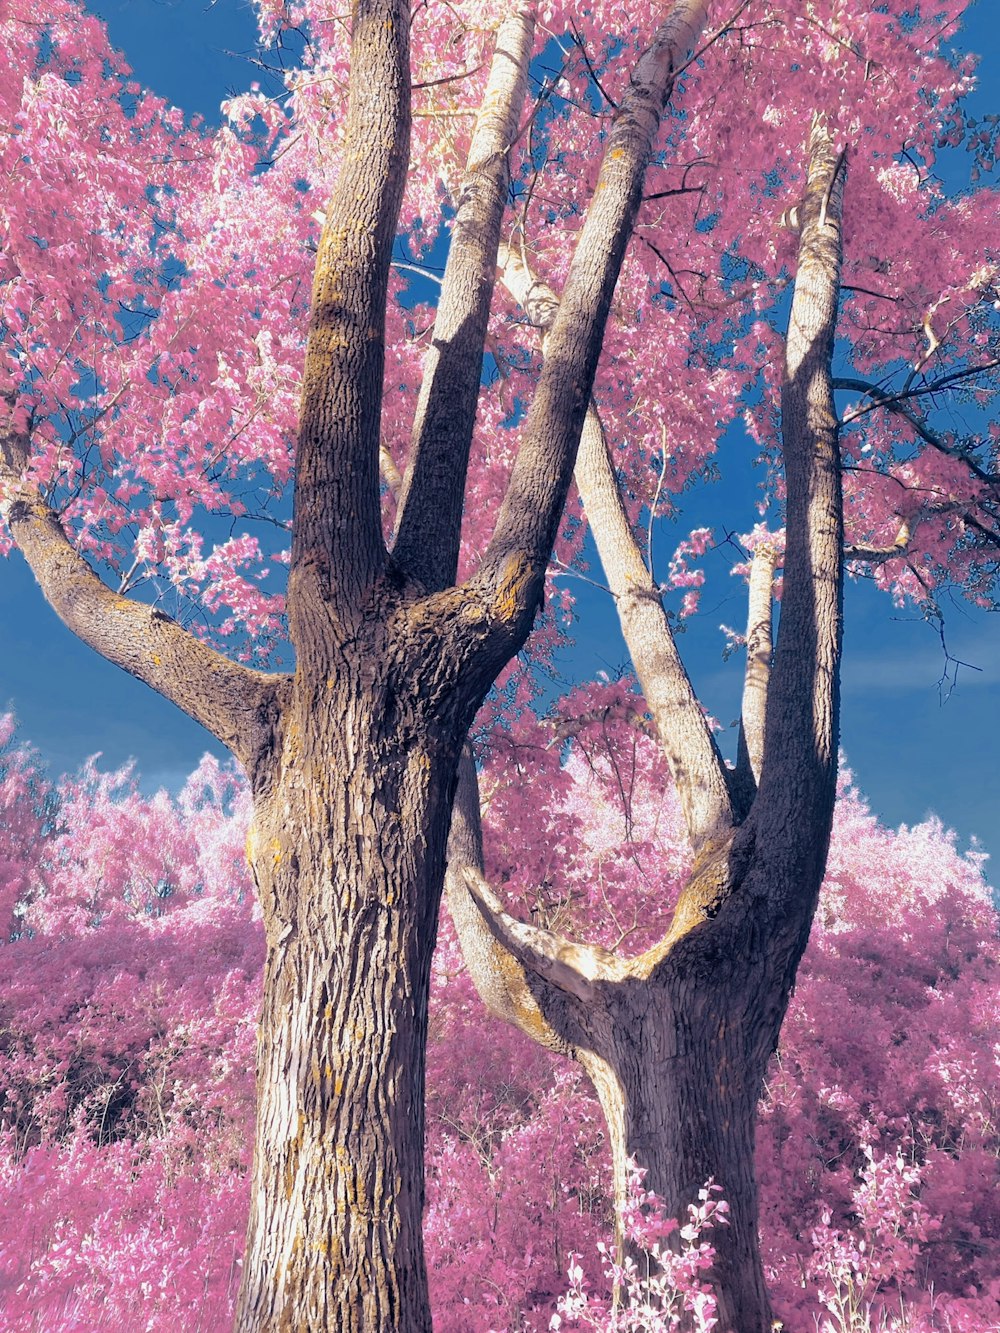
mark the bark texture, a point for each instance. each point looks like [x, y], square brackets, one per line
[429, 530]
[347, 851]
[677, 1040]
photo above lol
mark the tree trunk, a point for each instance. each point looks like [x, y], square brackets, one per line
[347, 848]
[688, 1115]
[687, 1048]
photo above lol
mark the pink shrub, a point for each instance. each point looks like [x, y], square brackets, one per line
[666, 1287]
[127, 1013]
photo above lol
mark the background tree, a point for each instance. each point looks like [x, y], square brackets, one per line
[677, 1040]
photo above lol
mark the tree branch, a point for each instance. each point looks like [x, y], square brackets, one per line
[794, 803]
[681, 726]
[878, 555]
[895, 404]
[337, 546]
[571, 968]
[760, 647]
[429, 519]
[498, 973]
[238, 706]
[513, 569]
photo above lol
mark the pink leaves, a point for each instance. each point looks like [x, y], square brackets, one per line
[666, 1288]
[156, 275]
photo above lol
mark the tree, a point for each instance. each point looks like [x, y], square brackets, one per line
[677, 1039]
[153, 367]
[352, 757]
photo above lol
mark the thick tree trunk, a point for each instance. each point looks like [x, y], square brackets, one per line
[678, 1048]
[688, 1115]
[347, 848]
[689, 1047]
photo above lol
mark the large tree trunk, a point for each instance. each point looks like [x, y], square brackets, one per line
[347, 848]
[352, 760]
[687, 1112]
[688, 1045]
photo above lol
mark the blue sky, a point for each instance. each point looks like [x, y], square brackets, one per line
[911, 751]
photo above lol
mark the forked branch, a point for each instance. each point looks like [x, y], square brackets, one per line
[572, 968]
[496, 973]
[337, 546]
[518, 553]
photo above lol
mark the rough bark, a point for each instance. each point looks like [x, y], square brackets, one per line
[347, 850]
[678, 1038]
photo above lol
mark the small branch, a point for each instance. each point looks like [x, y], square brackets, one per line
[878, 555]
[895, 404]
[590, 69]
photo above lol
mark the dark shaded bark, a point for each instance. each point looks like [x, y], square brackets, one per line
[347, 850]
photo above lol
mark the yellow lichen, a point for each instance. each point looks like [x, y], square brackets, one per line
[514, 579]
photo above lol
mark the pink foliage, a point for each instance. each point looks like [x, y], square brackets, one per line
[154, 280]
[129, 1001]
[666, 1288]
[154, 304]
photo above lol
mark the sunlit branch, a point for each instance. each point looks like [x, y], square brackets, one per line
[682, 729]
[429, 515]
[760, 647]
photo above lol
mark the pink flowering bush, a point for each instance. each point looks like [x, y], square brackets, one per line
[129, 985]
[665, 1288]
